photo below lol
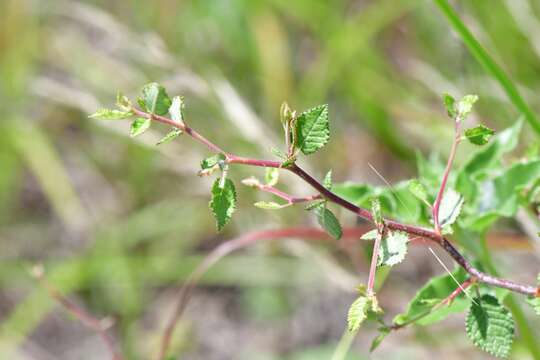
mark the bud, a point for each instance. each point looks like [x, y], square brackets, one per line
[251, 181]
[285, 113]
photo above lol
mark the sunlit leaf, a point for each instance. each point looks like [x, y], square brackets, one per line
[479, 135]
[329, 222]
[171, 135]
[223, 202]
[155, 98]
[139, 126]
[312, 129]
[111, 114]
[271, 176]
[393, 248]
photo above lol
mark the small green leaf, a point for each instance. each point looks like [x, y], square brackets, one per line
[479, 135]
[417, 189]
[177, 109]
[315, 204]
[123, 102]
[155, 98]
[312, 129]
[450, 207]
[370, 235]
[110, 114]
[327, 182]
[535, 303]
[465, 106]
[376, 211]
[139, 126]
[212, 161]
[269, 205]
[329, 222]
[393, 248]
[280, 154]
[383, 332]
[490, 326]
[223, 202]
[358, 313]
[271, 176]
[171, 135]
[450, 105]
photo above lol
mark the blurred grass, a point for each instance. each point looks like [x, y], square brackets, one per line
[117, 223]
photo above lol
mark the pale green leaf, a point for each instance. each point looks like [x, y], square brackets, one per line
[315, 204]
[417, 189]
[450, 105]
[465, 106]
[490, 326]
[269, 205]
[535, 303]
[312, 129]
[479, 135]
[370, 235]
[111, 114]
[376, 211]
[139, 126]
[280, 154]
[176, 110]
[155, 98]
[329, 222]
[393, 248]
[450, 207]
[383, 332]
[327, 182]
[421, 308]
[223, 202]
[212, 161]
[123, 102]
[171, 135]
[271, 176]
[251, 182]
[358, 313]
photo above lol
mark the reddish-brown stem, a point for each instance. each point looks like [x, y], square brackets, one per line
[464, 285]
[374, 260]
[440, 194]
[80, 314]
[363, 213]
[289, 198]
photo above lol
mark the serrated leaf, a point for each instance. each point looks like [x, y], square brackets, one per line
[383, 333]
[357, 313]
[370, 235]
[111, 114]
[465, 106]
[490, 326]
[535, 303]
[176, 110]
[420, 308]
[223, 202]
[327, 182]
[271, 176]
[450, 105]
[393, 248]
[329, 222]
[417, 189]
[479, 135]
[212, 161]
[312, 129]
[171, 135]
[269, 205]
[450, 207]
[376, 211]
[139, 126]
[155, 98]
[315, 204]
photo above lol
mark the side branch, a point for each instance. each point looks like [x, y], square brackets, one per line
[363, 213]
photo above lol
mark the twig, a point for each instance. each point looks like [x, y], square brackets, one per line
[363, 213]
[85, 318]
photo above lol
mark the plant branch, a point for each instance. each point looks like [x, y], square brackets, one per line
[361, 212]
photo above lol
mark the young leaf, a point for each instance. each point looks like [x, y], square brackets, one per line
[110, 114]
[370, 235]
[280, 154]
[357, 313]
[450, 207]
[155, 98]
[465, 106]
[329, 222]
[327, 182]
[417, 189]
[490, 326]
[177, 109]
[123, 102]
[139, 126]
[271, 176]
[171, 135]
[393, 248]
[269, 205]
[383, 332]
[251, 182]
[315, 204]
[450, 105]
[285, 114]
[212, 161]
[312, 129]
[223, 202]
[479, 135]
[535, 303]
[376, 211]
[421, 308]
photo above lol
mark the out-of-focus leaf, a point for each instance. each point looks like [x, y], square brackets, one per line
[269, 205]
[139, 126]
[450, 207]
[155, 98]
[271, 176]
[479, 135]
[111, 114]
[171, 135]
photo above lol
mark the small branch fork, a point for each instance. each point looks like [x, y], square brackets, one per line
[434, 236]
[290, 199]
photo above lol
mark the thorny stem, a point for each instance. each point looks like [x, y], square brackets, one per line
[440, 194]
[361, 212]
[80, 314]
